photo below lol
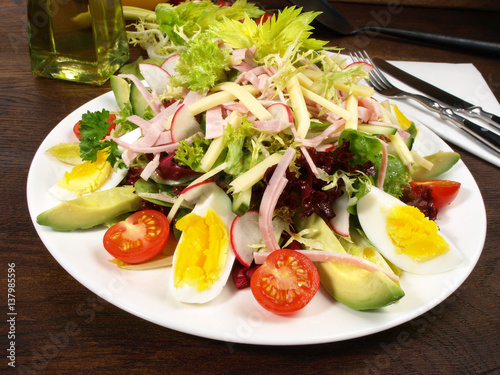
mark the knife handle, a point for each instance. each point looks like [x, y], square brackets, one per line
[481, 134]
[441, 39]
[478, 112]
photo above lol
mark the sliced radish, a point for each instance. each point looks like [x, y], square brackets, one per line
[156, 77]
[281, 112]
[244, 232]
[194, 193]
[366, 67]
[170, 64]
[184, 124]
[340, 223]
[325, 147]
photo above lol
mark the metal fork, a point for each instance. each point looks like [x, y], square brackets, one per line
[381, 85]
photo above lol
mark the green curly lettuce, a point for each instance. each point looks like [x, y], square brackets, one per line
[202, 65]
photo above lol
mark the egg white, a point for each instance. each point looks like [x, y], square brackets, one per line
[220, 203]
[372, 213]
[115, 177]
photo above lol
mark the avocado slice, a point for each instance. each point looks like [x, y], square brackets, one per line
[91, 210]
[354, 287]
[121, 90]
[442, 161]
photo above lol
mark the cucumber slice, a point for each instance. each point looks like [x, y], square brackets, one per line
[241, 201]
[139, 104]
[376, 129]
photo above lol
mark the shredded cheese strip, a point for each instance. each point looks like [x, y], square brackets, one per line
[218, 144]
[246, 98]
[401, 149]
[254, 174]
[338, 110]
[302, 120]
[218, 98]
[351, 105]
[164, 197]
[356, 89]
[203, 177]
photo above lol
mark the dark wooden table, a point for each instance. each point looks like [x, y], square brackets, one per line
[63, 328]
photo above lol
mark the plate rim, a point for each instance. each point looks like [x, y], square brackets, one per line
[65, 123]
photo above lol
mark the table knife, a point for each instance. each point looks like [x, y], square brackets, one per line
[435, 92]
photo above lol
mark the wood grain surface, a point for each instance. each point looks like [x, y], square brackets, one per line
[63, 328]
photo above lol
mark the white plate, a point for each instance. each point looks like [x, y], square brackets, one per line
[235, 316]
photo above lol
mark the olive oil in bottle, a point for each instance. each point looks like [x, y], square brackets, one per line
[77, 40]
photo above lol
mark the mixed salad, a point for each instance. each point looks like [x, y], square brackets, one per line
[245, 149]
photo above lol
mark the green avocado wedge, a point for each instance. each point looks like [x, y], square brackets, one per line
[442, 161]
[354, 287]
[91, 210]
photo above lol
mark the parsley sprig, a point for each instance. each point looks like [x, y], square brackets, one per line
[93, 130]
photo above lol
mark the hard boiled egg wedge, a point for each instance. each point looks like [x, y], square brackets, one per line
[404, 236]
[87, 176]
[203, 258]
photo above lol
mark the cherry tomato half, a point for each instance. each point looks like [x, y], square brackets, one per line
[140, 237]
[443, 191]
[286, 282]
[110, 120]
[223, 3]
[264, 18]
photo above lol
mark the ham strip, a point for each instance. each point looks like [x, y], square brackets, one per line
[169, 148]
[272, 125]
[383, 166]
[327, 256]
[151, 167]
[214, 126]
[153, 100]
[372, 107]
[270, 199]
[309, 160]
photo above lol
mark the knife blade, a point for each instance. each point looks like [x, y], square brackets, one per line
[437, 93]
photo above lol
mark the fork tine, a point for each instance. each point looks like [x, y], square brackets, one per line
[377, 73]
[374, 81]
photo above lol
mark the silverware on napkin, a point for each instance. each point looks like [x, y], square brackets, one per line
[435, 92]
[381, 85]
[334, 21]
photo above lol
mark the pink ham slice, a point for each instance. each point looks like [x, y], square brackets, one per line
[326, 256]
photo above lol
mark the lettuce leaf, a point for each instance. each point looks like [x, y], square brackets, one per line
[191, 155]
[239, 157]
[365, 148]
[202, 65]
[397, 176]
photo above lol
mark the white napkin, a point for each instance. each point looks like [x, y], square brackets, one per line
[461, 80]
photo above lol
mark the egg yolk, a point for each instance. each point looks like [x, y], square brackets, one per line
[88, 176]
[202, 253]
[413, 234]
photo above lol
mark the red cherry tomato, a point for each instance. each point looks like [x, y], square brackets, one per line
[443, 191]
[111, 120]
[140, 237]
[286, 282]
[223, 3]
[264, 18]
